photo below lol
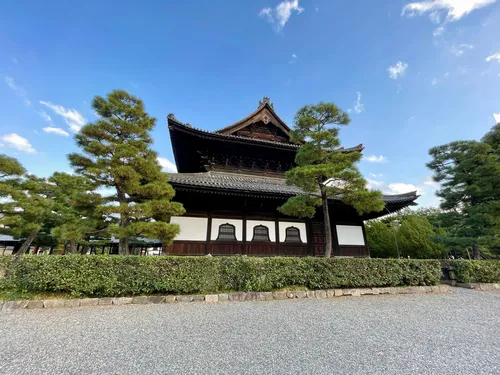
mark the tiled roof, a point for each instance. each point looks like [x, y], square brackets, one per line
[172, 121]
[233, 182]
[6, 237]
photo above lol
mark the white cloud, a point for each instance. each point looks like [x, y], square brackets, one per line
[17, 142]
[358, 107]
[376, 159]
[401, 188]
[10, 82]
[72, 117]
[496, 116]
[434, 81]
[398, 70]
[293, 59]
[18, 89]
[167, 165]
[454, 9]
[459, 50]
[373, 184]
[45, 116]
[375, 175]
[495, 56]
[59, 131]
[282, 13]
[438, 31]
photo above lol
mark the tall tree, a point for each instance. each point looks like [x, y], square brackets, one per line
[469, 174]
[76, 207]
[117, 154]
[323, 171]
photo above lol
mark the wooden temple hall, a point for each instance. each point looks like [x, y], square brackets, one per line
[231, 182]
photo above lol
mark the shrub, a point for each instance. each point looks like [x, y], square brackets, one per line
[133, 275]
[476, 271]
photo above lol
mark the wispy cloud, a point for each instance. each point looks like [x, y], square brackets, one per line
[358, 106]
[376, 175]
[58, 131]
[401, 188]
[453, 9]
[438, 31]
[74, 119]
[167, 165]
[398, 70]
[376, 159]
[497, 117]
[293, 59]
[14, 60]
[18, 90]
[45, 116]
[495, 56]
[459, 50]
[434, 81]
[17, 142]
[282, 13]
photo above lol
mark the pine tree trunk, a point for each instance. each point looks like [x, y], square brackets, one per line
[328, 229]
[475, 251]
[26, 245]
[72, 247]
[123, 246]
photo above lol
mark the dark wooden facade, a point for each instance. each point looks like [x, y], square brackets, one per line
[237, 173]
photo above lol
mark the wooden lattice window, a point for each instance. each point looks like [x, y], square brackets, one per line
[261, 233]
[227, 232]
[292, 235]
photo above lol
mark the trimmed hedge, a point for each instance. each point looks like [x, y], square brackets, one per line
[98, 275]
[476, 271]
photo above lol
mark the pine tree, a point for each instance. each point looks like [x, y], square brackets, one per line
[117, 154]
[323, 171]
[76, 207]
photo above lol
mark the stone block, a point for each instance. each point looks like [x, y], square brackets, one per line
[211, 298]
[301, 294]
[338, 293]
[198, 298]
[106, 301]
[290, 295]
[223, 297]
[383, 290]
[330, 293]
[53, 303]
[321, 294]
[365, 291]
[268, 296]
[140, 300]
[238, 297]
[34, 305]
[170, 299]
[311, 294]
[356, 293]
[14, 305]
[156, 299]
[252, 296]
[89, 302]
[279, 295]
[122, 301]
[347, 292]
[71, 303]
[375, 291]
[184, 298]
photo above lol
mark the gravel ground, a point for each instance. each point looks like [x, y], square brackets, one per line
[455, 333]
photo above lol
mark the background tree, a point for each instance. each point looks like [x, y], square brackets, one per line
[76, 207]
[117, 154]
[323, 171]
[469, 174]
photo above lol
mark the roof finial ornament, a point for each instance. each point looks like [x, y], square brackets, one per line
[265, 100]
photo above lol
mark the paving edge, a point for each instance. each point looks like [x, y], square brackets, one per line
[223, 297]
[479, 286]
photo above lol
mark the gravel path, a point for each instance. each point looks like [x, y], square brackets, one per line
[455, 333]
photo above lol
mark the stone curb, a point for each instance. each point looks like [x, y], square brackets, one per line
[230, 297]
[479, 286]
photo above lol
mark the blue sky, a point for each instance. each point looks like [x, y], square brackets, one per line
[413, 74]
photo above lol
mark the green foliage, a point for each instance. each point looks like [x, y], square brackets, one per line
[473, 271]
[323, 171]
[117, 153]
[133, 275]
[380, 239]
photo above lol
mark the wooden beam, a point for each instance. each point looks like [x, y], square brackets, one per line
[277, 231]
[209, 233]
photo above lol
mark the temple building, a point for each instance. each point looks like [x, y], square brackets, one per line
[231, 182]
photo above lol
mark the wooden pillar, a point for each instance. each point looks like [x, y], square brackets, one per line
[310, 239]
[245, 249]
[335, 238]
[209, 234]
[277, 234]
[367, 249]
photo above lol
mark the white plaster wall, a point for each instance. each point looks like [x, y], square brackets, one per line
[192, 228]
[271, 225]
[350, 235]
[300, 226]
[238, 225]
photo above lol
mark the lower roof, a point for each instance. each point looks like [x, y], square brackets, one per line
[261, 185]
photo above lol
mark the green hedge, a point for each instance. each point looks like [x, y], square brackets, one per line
[132, 275]
[476, 271]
